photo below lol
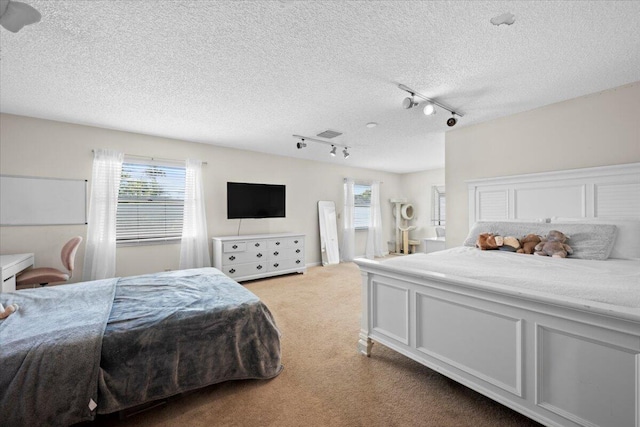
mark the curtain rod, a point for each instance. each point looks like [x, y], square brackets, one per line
[363, 181]
[153, 158]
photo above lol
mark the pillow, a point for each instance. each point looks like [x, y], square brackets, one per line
[627, 243]
[526, 220]
[588, 241]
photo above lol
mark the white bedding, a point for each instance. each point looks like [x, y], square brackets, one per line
[612, 281]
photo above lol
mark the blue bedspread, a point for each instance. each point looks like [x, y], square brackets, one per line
[50, 353]
[177, 331]
[124, 342]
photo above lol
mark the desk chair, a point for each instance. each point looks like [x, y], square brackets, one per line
[45, 275]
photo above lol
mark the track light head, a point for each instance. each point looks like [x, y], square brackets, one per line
[333, 150]
[408, 102]
[301, 145]
[346, 153]
[451, 121]
[429, 109]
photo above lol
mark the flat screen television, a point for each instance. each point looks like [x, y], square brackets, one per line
[246, 200]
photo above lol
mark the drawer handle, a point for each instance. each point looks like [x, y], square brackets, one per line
[232, 271]
[259, 267]
[297, 251]
[257, 245]
[295, 241]
[235, 246]
[277, 243]
[276, 265]
[276, 253]
[259, 255]
[297, 261]
[231, 258]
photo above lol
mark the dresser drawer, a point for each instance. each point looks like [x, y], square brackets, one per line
[286, 242]
[241, 270]
[234, 247]
[234, 258]
[285, 264]
[256, 245]
[284, 253]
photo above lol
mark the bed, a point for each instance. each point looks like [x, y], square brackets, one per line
[555, 339]
[73, 351]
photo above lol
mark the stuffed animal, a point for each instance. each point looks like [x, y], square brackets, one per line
[488, 241]
[510, 244]
[554, 245]
[4, 313]
[529, 243]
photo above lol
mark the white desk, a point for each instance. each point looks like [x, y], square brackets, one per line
[12, 265]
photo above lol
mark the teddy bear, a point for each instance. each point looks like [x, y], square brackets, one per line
[528, 243]
[488, 241]
[510, 244]
[554, 245]
[11, 308]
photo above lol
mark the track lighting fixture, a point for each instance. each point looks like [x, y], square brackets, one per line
[334, 146]
[429, 108]
[409, 102]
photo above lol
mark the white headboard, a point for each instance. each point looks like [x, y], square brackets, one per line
[600, 192]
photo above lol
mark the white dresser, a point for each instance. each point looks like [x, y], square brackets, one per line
[259, 255]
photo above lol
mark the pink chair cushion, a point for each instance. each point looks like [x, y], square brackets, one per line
[37, 276]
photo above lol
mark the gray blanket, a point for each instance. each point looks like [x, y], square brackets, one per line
[166, 333]
[177, 331]
[50, 353]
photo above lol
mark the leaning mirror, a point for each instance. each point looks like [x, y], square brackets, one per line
[328, 233]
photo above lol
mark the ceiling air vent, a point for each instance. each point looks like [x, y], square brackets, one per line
[329, 134]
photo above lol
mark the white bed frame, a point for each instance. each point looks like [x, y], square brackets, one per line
[559, 361]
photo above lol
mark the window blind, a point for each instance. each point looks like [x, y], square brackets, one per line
[150, 203]
[362, 205]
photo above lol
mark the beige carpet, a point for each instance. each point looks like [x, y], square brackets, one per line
[326, 382]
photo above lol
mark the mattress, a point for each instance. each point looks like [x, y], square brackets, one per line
[613, 281]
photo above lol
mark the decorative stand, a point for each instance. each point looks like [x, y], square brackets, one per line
[403, 212]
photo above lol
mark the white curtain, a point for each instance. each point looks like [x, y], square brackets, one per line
[374, 238]
[194, 249]
[100, 252]
[348, 230]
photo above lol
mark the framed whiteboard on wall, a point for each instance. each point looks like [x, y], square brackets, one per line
[26, 200]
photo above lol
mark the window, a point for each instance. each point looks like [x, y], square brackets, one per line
[150, 203]
[362, 205]
[438, 205]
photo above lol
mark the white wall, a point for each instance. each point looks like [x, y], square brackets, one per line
[594, 130]
[36, 147]
[417, 188]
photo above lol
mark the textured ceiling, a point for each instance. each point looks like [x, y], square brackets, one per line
[249, 74]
